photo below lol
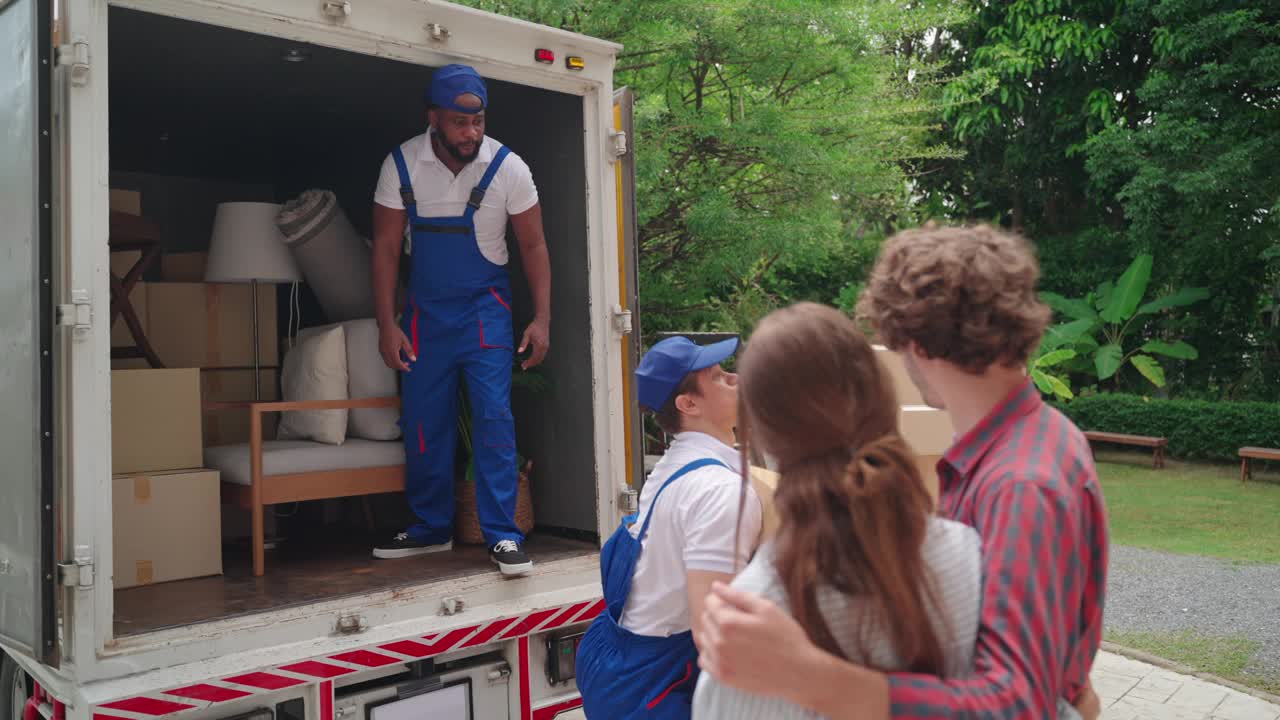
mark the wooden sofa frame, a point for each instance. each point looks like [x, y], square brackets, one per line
[265, 490]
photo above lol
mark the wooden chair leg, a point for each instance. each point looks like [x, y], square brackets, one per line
[1244, 469]
[259, 541]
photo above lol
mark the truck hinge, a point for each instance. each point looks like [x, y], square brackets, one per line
[75, 56]
[618, 143]
[78, 573]
[78, 314]
[628, 500]
[621, 318]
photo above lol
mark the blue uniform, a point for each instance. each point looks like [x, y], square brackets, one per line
[458, 318]
[622, 675]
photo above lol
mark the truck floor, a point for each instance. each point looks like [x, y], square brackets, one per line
[300, 573]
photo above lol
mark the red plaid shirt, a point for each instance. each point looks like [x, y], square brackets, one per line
[1024, 478]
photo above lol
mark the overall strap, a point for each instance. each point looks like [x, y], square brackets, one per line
[695, 465]
[477, 193]
[406, 187]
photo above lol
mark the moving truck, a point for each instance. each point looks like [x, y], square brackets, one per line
[290, 95]
[116, 106]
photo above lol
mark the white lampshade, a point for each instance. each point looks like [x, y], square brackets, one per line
[247, 246]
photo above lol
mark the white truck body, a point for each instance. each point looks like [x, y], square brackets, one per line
[338, 654]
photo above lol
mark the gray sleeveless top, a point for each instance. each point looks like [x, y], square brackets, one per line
[952, 553]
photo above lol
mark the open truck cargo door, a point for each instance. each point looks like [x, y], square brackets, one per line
[27, 572]
[628, 280]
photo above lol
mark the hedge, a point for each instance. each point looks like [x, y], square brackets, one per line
[1197, 429]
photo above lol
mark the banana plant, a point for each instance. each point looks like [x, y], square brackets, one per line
[1100, 325]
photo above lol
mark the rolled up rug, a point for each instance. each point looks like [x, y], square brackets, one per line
[335, 260]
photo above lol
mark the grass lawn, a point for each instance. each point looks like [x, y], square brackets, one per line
[1192, 509]
[1225, 657]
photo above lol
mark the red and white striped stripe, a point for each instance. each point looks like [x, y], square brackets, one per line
[324, 668]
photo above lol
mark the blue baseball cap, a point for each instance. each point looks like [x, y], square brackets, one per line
[662, 369]
[451, 81]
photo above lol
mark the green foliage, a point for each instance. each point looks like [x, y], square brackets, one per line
[1102, 324]
[775, 141]
[1196, 178]
[1195, 428]
[1108, 128]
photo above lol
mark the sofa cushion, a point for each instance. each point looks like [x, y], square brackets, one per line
[284, 457]
[367, 377]
[315, 369]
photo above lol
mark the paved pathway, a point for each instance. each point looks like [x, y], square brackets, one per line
[1134, 690]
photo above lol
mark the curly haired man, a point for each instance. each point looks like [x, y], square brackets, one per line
[959, 305]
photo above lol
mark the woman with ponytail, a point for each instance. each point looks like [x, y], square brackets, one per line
[860, 560]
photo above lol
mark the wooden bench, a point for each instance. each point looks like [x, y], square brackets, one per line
[1157, 444]
[1254, 453]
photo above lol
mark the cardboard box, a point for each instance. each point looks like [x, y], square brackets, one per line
[928, 467]
[210, 325]
[166, 526]
[126, 201]
[189, 267]
[928, 431]
[155, 420]
[906, 390]
[231, 426]
[120, 335]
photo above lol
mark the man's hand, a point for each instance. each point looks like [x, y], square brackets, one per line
[1089, 705]
[391, 343]
[748, 643]
[537, 335]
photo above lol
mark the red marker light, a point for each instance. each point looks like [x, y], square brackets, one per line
[544, 56]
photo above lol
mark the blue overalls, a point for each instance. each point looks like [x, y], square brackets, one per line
[622, 675]
[458, 318]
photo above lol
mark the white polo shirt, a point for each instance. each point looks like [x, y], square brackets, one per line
[693, 529]
[442, 194]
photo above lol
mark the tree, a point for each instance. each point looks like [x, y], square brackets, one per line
[774, 141]
[1196, 173]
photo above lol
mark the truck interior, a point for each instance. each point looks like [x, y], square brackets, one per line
[201, 115]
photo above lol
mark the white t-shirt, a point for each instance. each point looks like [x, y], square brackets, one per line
[693, 529]
[440, 193]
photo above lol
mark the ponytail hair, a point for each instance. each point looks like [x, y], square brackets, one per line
[852, 506]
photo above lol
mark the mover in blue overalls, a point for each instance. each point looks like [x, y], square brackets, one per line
[638, 658]
[455, 189]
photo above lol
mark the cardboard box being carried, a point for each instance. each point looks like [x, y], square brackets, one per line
[155, 420]
[231, 426]
[166, 526]
[210, 325]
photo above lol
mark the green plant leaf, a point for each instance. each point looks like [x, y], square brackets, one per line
[1060, 388]
[1129, 290]
[1108, 360]
[1149, 368]
[1050, 359]
[1041, 379]
[1179, 350]
[1071, 307]
[1066, 334]
[1180, 298]
[1102, 295]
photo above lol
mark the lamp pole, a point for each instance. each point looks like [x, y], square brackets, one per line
[257, 377]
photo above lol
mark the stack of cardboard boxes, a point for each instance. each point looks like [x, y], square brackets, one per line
[167, 515]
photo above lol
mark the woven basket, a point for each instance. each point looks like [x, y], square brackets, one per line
[467, 515]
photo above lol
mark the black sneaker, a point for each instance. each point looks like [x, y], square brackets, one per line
[510, 558]
[403, 546]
